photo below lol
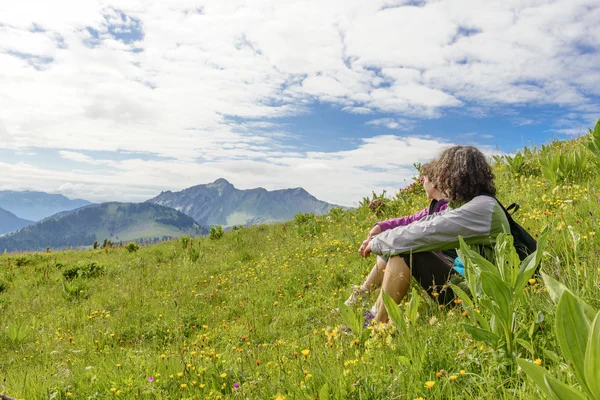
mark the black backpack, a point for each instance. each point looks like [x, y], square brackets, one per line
[524, 243]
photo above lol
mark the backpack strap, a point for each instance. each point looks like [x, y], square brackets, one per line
[516, 207]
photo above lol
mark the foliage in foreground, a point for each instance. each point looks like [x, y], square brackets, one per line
[249, 315]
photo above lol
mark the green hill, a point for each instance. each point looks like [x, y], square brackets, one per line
[113, 221]
[249, 315]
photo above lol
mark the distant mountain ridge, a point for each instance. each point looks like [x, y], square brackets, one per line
[35, 206]
[114, 221]
[220, 203]
[9, 222]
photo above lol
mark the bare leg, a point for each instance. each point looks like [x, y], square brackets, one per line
[396, 280]
[372, 282]
[375, 277]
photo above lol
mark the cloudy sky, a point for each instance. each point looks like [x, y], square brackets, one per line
[122, 99]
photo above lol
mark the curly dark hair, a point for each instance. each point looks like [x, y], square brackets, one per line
[427, 169]
[462, 173]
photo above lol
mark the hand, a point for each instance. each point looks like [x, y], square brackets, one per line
[376, 230]
[365, 249]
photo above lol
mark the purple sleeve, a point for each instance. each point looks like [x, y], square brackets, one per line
[393, 223]
[441, 205]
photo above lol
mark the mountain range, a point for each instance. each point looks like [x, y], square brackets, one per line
[75, 223]
[220, 203]
[113, 221]
[35, 206]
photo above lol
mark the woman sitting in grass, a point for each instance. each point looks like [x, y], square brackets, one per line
[375, 277]
[463, 174]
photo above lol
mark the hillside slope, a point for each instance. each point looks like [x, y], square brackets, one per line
[220, 203]
[249, 315]
[112, 221]
[9, 222]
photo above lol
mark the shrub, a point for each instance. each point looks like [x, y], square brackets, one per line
[307, 224]
[337, 213]
[216, 232]
[132, 247]
[82, 270]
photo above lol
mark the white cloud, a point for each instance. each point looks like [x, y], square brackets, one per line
[342, 177]
[181, 90]
[400, 124]
[82, 158]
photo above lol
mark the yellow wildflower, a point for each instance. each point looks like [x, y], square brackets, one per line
[429, 384]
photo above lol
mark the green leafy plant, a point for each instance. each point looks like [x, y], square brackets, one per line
[405, 321]
[516, 164]
[307, 224]
[132, 247]
[337, 213]
[216, 232]
[578, 333]
[562, 166]
[16, 334]
[498, 291]
[73, 290]
[185, 241]
[355, 321]
[84, 270]
[593, 143]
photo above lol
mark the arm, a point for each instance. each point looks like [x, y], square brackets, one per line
[409, 219]
[478, 221]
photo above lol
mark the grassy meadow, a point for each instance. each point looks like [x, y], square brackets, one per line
[249, 314]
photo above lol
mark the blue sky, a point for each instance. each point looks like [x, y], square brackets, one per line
[109, 100]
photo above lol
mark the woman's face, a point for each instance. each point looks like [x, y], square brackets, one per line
[429, 189]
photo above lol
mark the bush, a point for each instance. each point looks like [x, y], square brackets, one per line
[132, 247]
[307, 224]
[216, 232]
[337, 213]
[91, 270]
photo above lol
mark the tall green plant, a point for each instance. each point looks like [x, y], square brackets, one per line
[578, 333]
[355, 322]
[593, 144]
[498, 291]
[404, 321]
[559, 166]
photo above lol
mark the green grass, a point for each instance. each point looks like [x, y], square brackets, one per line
[253, 309]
